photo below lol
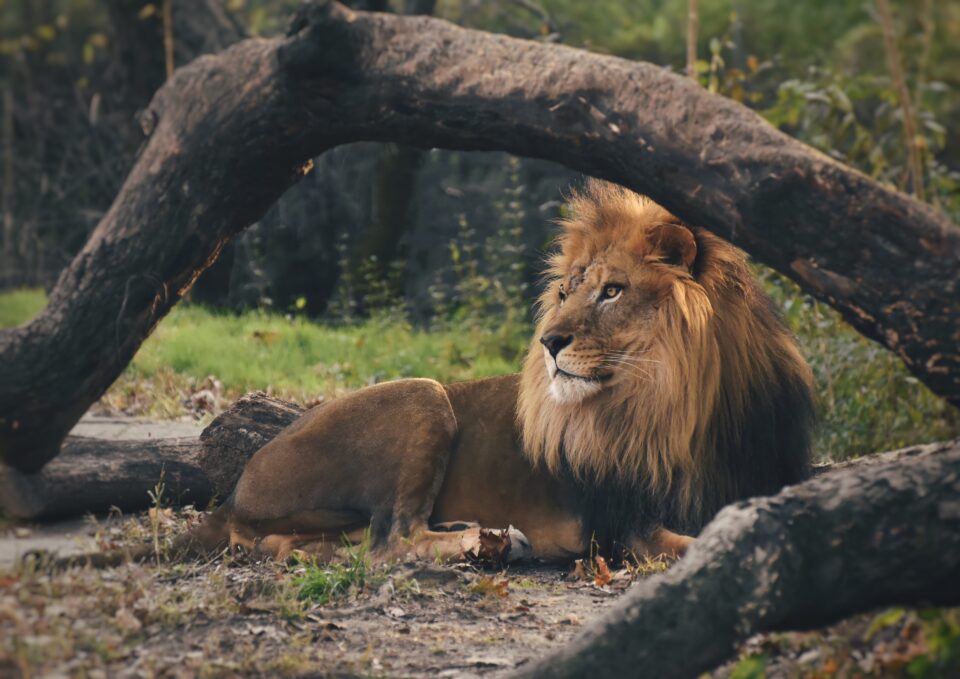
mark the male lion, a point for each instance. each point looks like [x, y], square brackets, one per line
[660, 386]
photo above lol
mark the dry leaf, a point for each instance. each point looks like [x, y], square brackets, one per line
[602, 573]
[492, 547]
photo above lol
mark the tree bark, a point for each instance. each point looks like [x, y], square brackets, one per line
[229, 133]
[874, 535]
[92, 475]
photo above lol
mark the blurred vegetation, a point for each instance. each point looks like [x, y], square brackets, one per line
[301, 302]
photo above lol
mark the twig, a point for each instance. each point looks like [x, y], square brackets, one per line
[6, 197]
[915, 167]
[928, 28]
[693, 27]
[168, 36]
[539, 11]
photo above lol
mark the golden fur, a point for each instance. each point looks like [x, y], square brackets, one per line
[665, 388]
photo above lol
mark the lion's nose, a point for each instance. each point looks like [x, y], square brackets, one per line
[556, 343]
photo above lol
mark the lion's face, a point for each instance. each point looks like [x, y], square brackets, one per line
[602, 311]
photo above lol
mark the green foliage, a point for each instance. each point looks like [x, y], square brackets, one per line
[858, 120]
[321, 583]
[484, 288]
[750, 667]
[941, 629]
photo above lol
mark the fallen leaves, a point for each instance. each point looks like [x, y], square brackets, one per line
[492, 547]
[596, 570]
[490, 586]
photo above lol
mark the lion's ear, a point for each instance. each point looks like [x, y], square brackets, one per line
[674, 243]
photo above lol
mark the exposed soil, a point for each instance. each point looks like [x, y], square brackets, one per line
[235, 617]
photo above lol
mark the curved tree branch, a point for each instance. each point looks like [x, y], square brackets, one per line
[868, 536]
[229, 133]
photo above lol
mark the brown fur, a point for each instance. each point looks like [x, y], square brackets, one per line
[693, 395]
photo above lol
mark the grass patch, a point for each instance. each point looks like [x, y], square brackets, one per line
[19, 306]
[322, 583]
[257, 350]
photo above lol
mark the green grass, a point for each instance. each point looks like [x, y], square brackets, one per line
[299, 358]
[19, 306]
[868, 401]
[256, 350]
[321, 583]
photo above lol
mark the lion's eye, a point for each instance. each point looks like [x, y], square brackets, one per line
[562, 295]
[611, 291]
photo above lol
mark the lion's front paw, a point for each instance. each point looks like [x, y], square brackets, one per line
[493, 546]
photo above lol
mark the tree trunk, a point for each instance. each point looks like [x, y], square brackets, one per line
[229, 133]
[93, 475]
[872, 535]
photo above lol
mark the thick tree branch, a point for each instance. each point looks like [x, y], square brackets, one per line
[229, 133]
[867, 536]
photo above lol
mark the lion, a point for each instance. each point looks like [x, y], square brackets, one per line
[660, 385]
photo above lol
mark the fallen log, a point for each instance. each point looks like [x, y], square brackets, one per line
[93, 475]
[882, 533]
[229, 133]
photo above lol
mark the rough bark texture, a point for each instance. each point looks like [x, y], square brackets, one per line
[869, 535]
[228, 133]
[93, 475]
[238, 433]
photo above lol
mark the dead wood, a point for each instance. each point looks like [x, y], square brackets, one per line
[92, 475]
[878, 533]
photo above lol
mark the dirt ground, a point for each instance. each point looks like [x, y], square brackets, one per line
[231, 617]
[234, 617]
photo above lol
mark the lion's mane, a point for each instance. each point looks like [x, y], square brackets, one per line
[722, 409]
